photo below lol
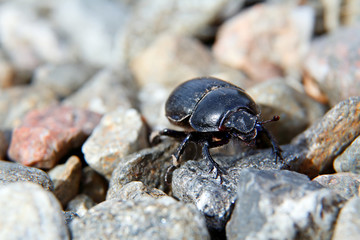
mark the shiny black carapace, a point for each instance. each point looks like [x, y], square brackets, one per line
[213, 111]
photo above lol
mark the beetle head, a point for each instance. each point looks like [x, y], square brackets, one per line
[241, 124]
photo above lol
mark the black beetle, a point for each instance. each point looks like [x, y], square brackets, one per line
[212, 111]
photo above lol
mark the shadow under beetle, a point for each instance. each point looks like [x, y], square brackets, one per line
[213, 111]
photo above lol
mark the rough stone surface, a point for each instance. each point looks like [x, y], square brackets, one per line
[104, 92]
[46, 135]
[93, 184]
[148, 166]
[295, 116]
[63, 79]
[16, 102]
[345, 184]
[276, 42]
[66, 178]
[282, 205]
[119, 134]
[349, 160]
[134, 191]
[348, 222]
[27, 211]
[192, 182]
[80, 204]
[333, 64]
[162, 218]
[14, 172]
[324, 140]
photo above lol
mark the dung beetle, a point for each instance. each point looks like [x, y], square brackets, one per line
[211, 112]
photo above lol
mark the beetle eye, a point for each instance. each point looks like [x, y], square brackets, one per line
[242, 121]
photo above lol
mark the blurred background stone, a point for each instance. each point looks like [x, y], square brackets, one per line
[333, 63]
[104, 92]
[62, 79]
[265, 41]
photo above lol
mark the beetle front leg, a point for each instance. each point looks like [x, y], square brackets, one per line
[215, 165]
[176, 156]
[275, 145]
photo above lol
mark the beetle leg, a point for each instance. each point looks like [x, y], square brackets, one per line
[218, 170]
[176, 156]
[155, 136]
[275, 146]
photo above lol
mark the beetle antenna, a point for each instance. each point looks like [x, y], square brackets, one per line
[274, 119]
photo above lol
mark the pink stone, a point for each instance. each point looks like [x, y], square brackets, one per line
[46, 135]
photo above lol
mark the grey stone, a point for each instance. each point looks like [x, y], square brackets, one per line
[274, 204]
[63, 79]
[295, 116]
[135, 190]
[328, 137]
[349, 160]
[348, 222]
[80, 205]
[15, 102]
[163, 218]
[14, 172]
[148, 166]
[118, 134]
[27, 211]
[192, 182]
[106, 91]
[66, 178]
[345, 184]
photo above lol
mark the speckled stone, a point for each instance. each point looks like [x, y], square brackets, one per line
[345, 184]
[46, 135]
[163, 218]
[135, 190]
[327, 138]
[119, 134]
[13, 172]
